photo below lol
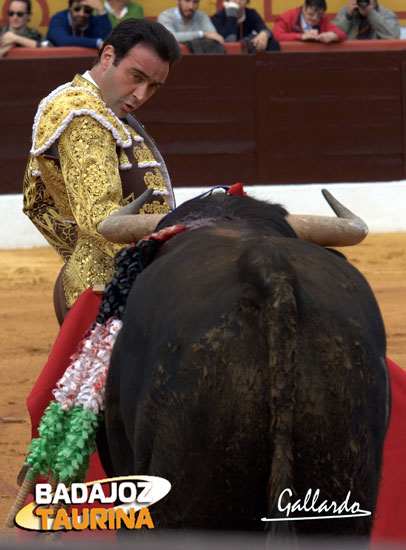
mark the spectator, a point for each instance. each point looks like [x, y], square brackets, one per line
[17, 32]
[236, 22]
[367, 20]
[119, 10]
[307, 23]
[192, 27]
[77, 26]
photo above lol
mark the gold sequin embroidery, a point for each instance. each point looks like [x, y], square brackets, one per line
[142, 154]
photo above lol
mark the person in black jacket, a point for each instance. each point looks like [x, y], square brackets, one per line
[235, 22]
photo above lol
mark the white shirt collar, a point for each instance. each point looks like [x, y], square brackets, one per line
[123, 12]
[89, 78]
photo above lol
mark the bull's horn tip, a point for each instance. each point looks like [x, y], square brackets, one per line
[326, 193]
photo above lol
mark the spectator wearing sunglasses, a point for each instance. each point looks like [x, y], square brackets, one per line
[17, 32]
[77, 26]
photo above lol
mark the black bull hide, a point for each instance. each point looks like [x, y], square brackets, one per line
[249, 362]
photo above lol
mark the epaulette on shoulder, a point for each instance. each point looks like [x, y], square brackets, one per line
[58, 109]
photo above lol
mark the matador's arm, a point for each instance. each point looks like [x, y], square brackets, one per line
[89, 162]
[40, 207]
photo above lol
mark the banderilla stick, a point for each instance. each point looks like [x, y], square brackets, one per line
[25, 489]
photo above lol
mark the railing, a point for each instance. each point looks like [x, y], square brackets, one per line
[233, 48]
[348, 45]
[24, 53]
[68, 51]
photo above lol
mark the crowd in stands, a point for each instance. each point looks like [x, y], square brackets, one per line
[86, 23]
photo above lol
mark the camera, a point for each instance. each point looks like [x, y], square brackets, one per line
[363, 3]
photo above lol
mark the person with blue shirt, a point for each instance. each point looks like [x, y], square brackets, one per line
[77, 26]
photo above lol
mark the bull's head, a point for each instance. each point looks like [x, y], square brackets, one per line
[346, 229]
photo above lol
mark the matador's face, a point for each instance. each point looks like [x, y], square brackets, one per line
[130, 83]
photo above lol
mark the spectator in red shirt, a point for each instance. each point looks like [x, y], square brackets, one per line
[308, 23]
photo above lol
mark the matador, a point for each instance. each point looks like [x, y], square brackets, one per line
[90, 156]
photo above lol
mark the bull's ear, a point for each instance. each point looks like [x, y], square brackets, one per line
[345, 230]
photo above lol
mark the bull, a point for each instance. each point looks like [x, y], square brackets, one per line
[250, 370]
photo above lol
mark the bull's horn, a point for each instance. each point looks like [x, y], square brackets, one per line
[128, 228]
[345, 230]
[124, 227]
[135, 205]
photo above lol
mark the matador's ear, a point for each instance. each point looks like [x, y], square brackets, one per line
[107, 56]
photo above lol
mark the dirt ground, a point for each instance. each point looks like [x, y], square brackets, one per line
[28, 330]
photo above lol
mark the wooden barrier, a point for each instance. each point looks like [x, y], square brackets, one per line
[63, 51]
[232, 48]
[348, 45]
[327, 116]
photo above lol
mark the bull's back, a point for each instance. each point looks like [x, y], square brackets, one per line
[236, 349]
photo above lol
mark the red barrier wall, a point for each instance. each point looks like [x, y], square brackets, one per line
[326, 116]
[26, 53]
[231, 48]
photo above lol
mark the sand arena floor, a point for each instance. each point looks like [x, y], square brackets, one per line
[28, 330]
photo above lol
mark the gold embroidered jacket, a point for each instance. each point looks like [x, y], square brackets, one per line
[83, 161]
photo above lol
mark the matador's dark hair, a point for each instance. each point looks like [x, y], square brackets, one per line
[152, 34]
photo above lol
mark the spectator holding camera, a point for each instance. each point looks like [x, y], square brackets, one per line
[235, 22]
[17, 32]
[367, 20]
[77, 26]
[308, 23]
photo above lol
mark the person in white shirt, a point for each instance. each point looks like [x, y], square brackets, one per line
[192, 27]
